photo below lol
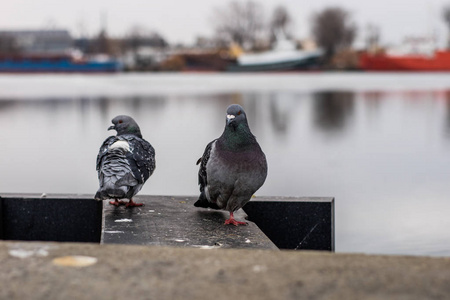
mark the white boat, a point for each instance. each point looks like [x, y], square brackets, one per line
[283, 57]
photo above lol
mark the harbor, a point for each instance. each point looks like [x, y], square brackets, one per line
[225, 149]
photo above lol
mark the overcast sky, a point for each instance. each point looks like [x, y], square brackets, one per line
[183, 20]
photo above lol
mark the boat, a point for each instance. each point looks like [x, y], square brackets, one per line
[283, 57]
[438, 61]
[61, 63]
[414, 54]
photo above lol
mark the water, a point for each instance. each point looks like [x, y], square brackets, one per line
[379, 144]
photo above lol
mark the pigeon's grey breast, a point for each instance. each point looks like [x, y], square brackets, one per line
[234, 176]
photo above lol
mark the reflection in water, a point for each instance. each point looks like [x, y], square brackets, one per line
[279, 118]
[333, 110]
[6, 104]
[280, 114]
[389, 177]
[103, 104]
[374, 99]
[447, 115]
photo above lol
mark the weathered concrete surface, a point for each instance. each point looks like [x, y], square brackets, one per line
[174, 221]
[28, 271]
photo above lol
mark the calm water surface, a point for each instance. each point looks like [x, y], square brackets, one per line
[379, 144]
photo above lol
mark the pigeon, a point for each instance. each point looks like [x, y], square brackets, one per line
[232, 168]
[124, 163]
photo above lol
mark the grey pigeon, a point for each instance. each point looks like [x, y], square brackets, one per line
[124, 163]
[232, 168]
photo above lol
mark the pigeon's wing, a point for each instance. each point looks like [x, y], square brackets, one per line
[141, 158]
[203, 200]
[202, 176]
[104, 150]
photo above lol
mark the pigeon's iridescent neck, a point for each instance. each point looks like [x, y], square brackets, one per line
[237, 138]
[131, 130]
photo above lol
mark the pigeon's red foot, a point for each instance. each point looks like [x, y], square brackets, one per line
[117, 202]
[233, 221]
[131, 203]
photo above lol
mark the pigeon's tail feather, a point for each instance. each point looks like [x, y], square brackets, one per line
[98, 196]
[116, 193]
[111, 192]
[203, 202]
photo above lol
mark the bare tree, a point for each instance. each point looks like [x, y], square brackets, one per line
[134, 37]
[446, 17]
[102, 43]
[333, 30]
[281, 21]
[372, 37]
[139, 36]
[239, 22]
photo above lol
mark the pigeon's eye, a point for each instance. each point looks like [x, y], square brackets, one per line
[239, 113]
[120, 121]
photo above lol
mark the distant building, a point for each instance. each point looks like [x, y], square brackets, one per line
[144, 51]
[38, 42]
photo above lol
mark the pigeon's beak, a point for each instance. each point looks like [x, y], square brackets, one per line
[230, 119]
[111, 127]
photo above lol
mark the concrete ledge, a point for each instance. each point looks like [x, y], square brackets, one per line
[300, 223]
[54, 217]
[29, 271]
[295, 223]
[174, 221]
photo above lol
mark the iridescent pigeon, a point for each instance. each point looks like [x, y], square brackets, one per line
[232, 168]
[124, 163]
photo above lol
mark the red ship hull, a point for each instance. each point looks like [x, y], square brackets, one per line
[440, 61]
